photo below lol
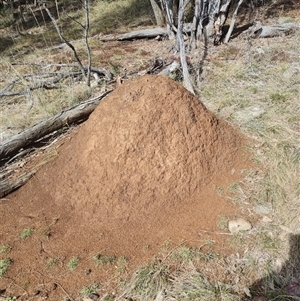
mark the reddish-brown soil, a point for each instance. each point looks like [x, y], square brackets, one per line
[145, 169]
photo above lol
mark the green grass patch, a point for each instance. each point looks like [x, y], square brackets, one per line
[51, 262]
[5, 248]
[4, 264]
[73, 263]
[102, 260]
[26, 233]
[89, 289]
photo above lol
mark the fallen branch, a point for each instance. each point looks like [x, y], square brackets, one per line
[8, 186]
[99, 71]
[46, 84]
[12, 145]
[268, 31]
[149, 33]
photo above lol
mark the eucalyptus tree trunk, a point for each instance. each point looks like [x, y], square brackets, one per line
[232, 22]
[158, 13]
[186, 75]
[200, 21]
[220, 17]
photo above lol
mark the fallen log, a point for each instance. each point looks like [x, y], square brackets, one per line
[80, 112]
[8, 186]
[149, 33]
[268, 31]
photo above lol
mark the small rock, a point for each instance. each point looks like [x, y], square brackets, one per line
[247, 292]
[238, 225]
[261, 209]
[266, 219]
[278, 265]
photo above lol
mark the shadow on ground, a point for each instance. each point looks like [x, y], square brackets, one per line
[5, 43]
[284, 285]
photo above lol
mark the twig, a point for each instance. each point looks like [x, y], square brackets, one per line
[48, 84]
[16, 284]
[57, 283]
[64, 291]
[30, 98]
[213, 232]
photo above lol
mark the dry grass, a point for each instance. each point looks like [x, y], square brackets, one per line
[256, 88]
[36, 48]
[261, 97]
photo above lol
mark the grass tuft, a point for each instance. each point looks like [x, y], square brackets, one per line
[90, 289]
[5, 248]
[73, 263]
[26, 233]
[4, 264]
[51, 262]
[149, 281]
[102, 260]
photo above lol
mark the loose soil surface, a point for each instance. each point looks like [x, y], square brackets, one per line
[146, 169]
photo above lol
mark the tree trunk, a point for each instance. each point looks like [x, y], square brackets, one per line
[221, 17]
[186, 76]
[232, 22]
[158, 14]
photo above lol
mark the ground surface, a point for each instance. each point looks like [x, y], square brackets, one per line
[152, 151]
[142, 171]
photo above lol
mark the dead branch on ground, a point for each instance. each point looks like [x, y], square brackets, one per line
[149, 33]
[37, 82]
[80, 112]
[47, 80]
[268, 31]
[6, 187]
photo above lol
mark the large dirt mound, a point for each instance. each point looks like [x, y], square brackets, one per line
[150, 144]
[144, 164]
[141, 171]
